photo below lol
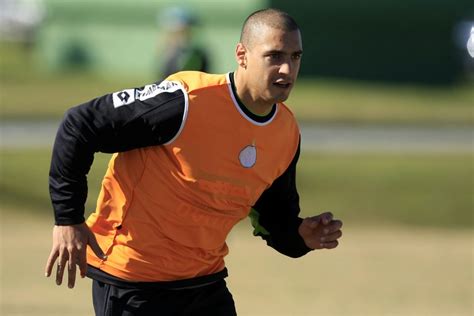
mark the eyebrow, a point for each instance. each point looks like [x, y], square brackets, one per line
[276, 51]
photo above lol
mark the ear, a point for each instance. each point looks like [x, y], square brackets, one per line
[241, 55]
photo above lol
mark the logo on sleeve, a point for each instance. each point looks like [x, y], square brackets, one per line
[128, 96]
[152, 90]
[123, 97]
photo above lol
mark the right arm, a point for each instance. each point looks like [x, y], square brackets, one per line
[117, 122]
[106, 124]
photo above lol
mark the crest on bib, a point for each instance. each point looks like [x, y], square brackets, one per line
[248, 156]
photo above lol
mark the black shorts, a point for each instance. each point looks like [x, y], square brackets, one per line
[211, 299]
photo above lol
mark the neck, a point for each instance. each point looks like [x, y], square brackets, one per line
[252, 103]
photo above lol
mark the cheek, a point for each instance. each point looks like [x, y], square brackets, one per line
[261, 76]
[297, 67]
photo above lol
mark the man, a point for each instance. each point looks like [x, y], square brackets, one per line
[196, 154]
[181, 50]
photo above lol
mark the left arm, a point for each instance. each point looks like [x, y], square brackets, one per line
[275, 218]
[275, 215]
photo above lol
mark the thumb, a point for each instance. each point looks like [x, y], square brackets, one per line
[92, 242]
[311, 222]
[307, 227]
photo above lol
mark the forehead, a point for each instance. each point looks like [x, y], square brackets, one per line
[268, 39]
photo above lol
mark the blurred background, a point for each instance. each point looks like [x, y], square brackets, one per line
[385, 101]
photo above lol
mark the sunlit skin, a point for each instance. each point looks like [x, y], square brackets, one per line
[268, 68]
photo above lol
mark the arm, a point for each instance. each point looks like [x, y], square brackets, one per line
[107, 125]
[116, 122]
[275, 219]
[275, 214]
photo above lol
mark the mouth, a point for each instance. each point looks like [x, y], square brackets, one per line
[282, 84]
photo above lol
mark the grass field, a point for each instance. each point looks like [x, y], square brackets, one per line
[377, 103]
[423, 189]
[377, 270]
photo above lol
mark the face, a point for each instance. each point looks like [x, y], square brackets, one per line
[272, 61]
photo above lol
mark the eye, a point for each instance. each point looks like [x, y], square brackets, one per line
[296, 56]
[274, 56]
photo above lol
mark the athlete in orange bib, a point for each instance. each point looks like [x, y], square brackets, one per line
[194, 154]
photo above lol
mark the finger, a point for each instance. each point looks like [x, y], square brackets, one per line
[95, 246]
[331, 237]
[330, 245]
[312, 222]
[50, 263]
[60, 268]
[71, 280]
[326, 218]
[333, 227]
[82, 261]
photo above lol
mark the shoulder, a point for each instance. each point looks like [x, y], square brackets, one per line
[195, 80]
[285, 112]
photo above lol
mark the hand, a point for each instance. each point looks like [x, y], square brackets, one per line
[69, 247]
[321, 231]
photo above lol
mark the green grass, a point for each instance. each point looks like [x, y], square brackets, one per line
[424, 189]
[24, 179]
[359, 102]
[421, 190]
[50, 96]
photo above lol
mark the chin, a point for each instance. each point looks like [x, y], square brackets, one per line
[277, 97]
[281, 98]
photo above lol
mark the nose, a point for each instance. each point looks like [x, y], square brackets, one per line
[285, 68]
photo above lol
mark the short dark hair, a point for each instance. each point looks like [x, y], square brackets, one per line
[274, 18]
